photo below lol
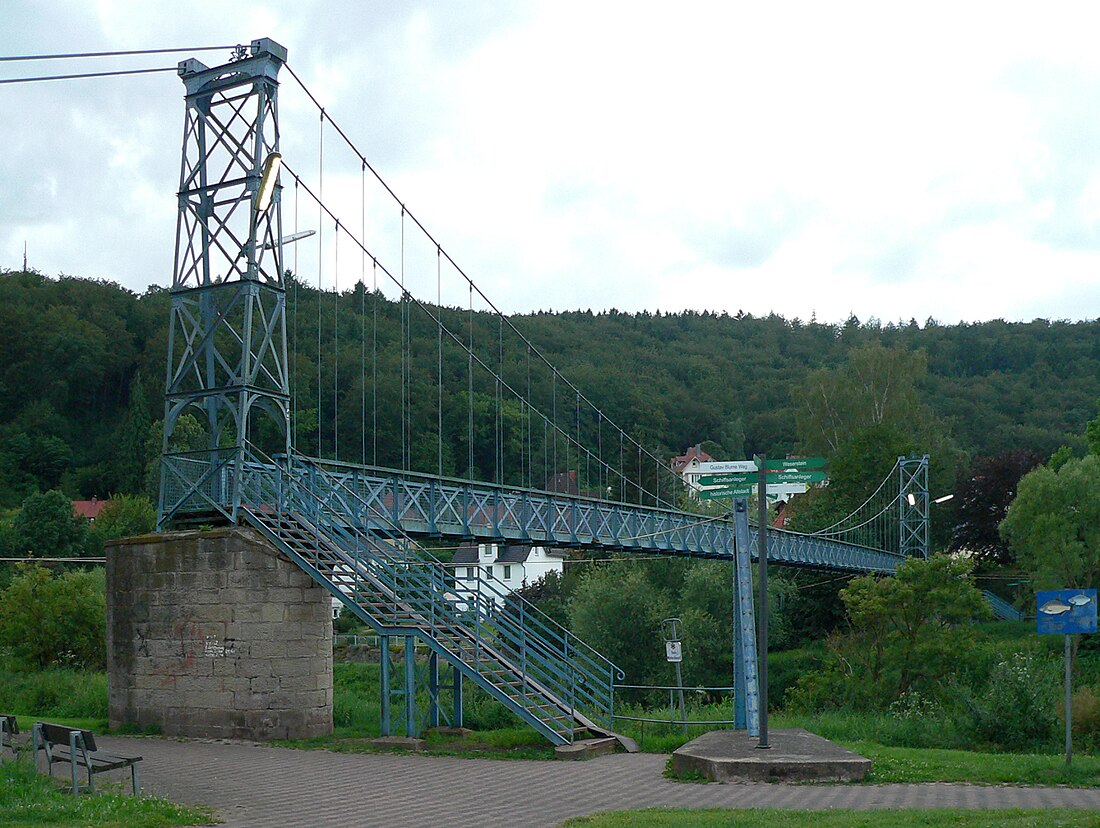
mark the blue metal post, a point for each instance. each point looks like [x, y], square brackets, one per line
[433, 689]
[384, 661]
[410, 687]
[457, 697]
[746, 616]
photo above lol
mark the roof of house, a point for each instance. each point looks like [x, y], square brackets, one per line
[89, 509]
[682, 461]
[564, 483]
[469, 553]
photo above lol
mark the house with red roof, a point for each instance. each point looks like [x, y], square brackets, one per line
[687, 465]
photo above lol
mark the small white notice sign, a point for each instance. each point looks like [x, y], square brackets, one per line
[726, 467]
[674, 652]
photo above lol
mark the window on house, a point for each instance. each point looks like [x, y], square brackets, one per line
[507, 572]
[489, 571]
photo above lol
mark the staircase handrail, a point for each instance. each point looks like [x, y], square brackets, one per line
[540, 658]
[495, 586]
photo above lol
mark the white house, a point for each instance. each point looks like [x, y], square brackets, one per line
[687, 465]
[498, 570]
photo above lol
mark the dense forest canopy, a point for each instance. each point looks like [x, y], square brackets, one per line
[82, 378]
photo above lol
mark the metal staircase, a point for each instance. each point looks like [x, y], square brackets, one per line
[542, 672]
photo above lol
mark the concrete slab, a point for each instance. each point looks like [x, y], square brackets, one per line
[398, 743]
[587, 748]
[795, 755]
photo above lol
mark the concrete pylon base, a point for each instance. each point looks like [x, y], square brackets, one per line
[216, 634]
[795, 755]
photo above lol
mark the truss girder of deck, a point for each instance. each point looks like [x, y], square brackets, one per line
[426, 506]
[387, 500]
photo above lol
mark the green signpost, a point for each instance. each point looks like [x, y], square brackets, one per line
[797, 477]
[797, 464]
[726, 492]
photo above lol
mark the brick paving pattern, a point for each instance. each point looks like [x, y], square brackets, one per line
[264, 786]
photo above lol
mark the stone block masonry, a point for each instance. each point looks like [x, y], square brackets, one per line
[216, 635]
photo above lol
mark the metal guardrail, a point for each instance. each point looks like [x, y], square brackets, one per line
[419, 504]
[1001, 608]
[549, 659]
[672, 704]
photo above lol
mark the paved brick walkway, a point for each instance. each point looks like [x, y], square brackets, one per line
[263, 786]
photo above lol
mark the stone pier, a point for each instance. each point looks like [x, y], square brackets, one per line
[216, 634]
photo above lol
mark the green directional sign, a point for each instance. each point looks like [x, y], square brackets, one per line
[731, 491]
[728, 479]
[796, 464]
[797, 477]
[771, 477]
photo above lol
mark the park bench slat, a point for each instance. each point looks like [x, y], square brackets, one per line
[77, 747]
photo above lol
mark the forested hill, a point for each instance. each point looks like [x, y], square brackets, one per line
[72, 414]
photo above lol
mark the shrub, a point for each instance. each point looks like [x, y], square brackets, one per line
[1086, 719]
[125, 516]
[47, 620]
[1017, 711]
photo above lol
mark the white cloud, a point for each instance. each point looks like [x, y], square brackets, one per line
[855, 157]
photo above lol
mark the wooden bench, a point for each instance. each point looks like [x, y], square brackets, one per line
[9, 729]
[78, 748]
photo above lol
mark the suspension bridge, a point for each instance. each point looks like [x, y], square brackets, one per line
[420, 415]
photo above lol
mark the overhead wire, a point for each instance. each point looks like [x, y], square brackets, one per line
[81, 75]
[473, 286]
[123, 53]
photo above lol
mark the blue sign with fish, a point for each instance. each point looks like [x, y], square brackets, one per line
[1066, 611]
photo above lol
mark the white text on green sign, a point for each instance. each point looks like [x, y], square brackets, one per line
[771, 477]
[732, 491]
[797, 477]
[795, 464]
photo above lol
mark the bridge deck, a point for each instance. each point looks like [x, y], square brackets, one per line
[428, 506]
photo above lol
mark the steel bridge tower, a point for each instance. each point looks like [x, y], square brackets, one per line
[227, 352]
[913, 506]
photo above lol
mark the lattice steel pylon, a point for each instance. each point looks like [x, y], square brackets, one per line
[227, 352]
[913, 506]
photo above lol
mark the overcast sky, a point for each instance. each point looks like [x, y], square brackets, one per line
[931, 160]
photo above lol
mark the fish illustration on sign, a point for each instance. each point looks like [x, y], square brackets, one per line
[1055, 607]
[1080, 599]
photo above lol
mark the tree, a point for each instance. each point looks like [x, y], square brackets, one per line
[47, 620]
[982, 501]
[549, 594]
[132, 449]
[877, 386]
[47, 527]
[904, 635]
[1053, 524]
[616, 611]
[125, 516]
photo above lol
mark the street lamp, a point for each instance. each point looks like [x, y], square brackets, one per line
[268, 178]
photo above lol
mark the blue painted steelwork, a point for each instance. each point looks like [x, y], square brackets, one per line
[227, 356]
[913, 506]
[1001, 608]
[745, 680]
[387, 501]
[539, 670]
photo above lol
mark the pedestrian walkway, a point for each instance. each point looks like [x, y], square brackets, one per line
[264, 786]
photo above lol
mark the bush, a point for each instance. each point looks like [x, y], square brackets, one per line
[1086, 719]
[1017, 712]
[47, 620]
[56, 692]
[125, 516]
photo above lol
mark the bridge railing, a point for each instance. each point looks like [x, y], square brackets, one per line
[525, 630]
[495, 623]
[441, 506]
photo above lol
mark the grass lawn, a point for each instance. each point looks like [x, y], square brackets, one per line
[28, 797]
[777, 818]
[894, 764]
